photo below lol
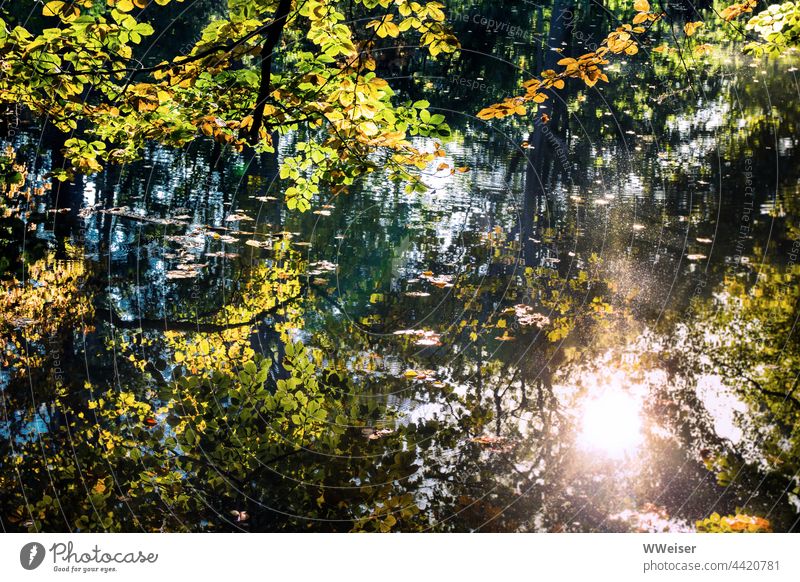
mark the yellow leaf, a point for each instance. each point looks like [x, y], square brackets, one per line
[53, 8]
[641, 6]
[702, 49]
[124, 5]
[369, 128]
[691, 27]
[385, 27]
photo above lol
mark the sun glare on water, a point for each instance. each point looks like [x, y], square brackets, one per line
[611, 423]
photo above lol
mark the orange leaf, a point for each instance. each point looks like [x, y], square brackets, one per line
[691, 27]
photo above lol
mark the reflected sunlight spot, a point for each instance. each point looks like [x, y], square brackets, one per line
[723, 405]
[611, 423]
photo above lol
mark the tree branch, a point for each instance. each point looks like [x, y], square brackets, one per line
[273, 35]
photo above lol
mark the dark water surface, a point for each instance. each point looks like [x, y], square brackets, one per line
[579, 333]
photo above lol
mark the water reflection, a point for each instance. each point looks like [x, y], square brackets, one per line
[559, 339]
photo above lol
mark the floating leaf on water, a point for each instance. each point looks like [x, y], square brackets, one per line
[703, 240]
[638, 227]
[192, 266]
[696, 257]
[321, 267]
[429, 375]
[417, 294]
[87, 211]
[323, 212]
[240, 516]
[440, 281]
[495, 444]
[179, 274]
[428, 335]
[374, 434]
[237, 217]
[487, 440]
[527, 316]
[259, 244]
[224, 238]
[425, 337]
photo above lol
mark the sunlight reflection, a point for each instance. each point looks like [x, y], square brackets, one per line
[611, 421]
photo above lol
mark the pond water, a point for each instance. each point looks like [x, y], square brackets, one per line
[580, 329]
